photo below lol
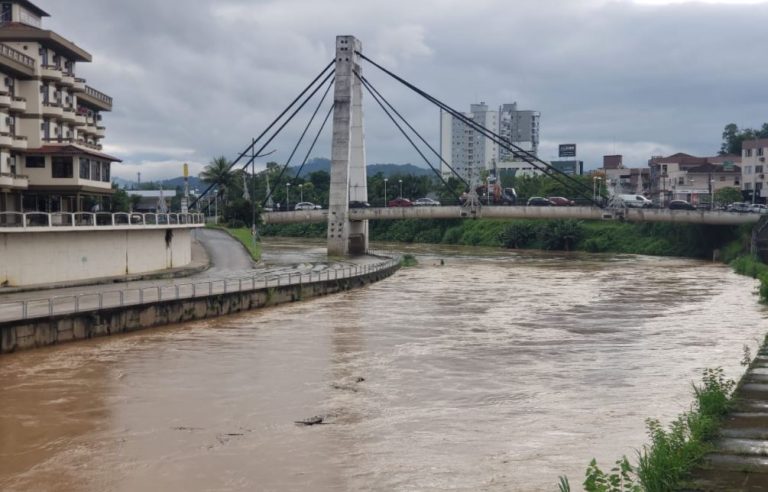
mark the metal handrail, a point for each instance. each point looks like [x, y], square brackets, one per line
[98, 95]
[17, 55]
[93, 219]
[76, 303]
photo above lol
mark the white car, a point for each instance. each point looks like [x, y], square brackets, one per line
[426, 202]
[758, 208]
[304, 206]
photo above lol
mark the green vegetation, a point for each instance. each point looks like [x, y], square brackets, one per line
[242, 234]
[733, 137]
[673, 452]
[408, 261]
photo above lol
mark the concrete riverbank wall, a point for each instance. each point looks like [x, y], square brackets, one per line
[44, 331]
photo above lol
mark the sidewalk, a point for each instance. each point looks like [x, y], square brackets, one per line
[200, 263]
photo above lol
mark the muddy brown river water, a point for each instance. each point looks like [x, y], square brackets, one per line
[497, 371]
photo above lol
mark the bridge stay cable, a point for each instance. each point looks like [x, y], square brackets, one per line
[370, 87]
[317, 136]
[549, 170]
[405, 134]
[274, 122]
[298, 143]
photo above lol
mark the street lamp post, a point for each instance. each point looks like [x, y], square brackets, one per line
[595, 187]
[692, 193]
[301, 192]
[385, 191]
[711, 193]
[401, 187]
[287, 196]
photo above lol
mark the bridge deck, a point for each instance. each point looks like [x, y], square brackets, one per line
[495, 212]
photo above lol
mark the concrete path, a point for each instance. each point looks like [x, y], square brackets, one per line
[740, 459]
[229, 261]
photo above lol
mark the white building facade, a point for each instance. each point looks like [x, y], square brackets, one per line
[754, 170]
[463, 148]
[50, 120]
[518, 127]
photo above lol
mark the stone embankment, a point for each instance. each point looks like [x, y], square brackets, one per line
[739, 461]
[31, 332]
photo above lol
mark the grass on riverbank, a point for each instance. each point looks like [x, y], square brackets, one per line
[242, 234]
[673, 452]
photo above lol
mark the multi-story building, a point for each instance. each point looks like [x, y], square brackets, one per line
[694, 179]
[754, 170]
[519, 127]
[464, 149]
[50, 120]
[625, 180]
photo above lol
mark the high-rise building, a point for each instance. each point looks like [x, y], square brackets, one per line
[50, 120]
[519, 127]
[463, 148]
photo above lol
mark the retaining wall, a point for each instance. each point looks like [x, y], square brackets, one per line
[44, 331]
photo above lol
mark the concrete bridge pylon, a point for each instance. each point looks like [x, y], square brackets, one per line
[348, 174]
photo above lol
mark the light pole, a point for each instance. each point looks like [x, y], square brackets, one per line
[301, 192]
[401, 187]
[287, 196]
[385, 191]
[595, 187]
[711, 193]
[690, 199]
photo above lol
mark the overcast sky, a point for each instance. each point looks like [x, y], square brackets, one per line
[193, 79]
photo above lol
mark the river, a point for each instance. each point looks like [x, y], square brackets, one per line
[498, 370]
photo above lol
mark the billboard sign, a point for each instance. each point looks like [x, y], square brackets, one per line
[567, 150]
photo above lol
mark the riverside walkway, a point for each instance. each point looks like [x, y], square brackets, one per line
[231, 270]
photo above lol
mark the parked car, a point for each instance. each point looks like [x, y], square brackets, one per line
[559, 201]
[318, 207]
[539, 201]
[358, 204]
[738, 207]
[426, 202]
[635, 201]
[304, 206]
[680, 205]
[400, 202]
[758, 208]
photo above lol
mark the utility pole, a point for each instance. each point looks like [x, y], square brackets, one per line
[253, 190]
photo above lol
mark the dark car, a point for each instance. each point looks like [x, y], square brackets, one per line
[539, 201]
[400, 202]
[357, 204]
[680, 205]
[559, 201]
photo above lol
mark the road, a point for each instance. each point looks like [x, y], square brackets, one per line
[226, 255]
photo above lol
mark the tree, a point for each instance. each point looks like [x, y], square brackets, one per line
[725, 196]
[218, 173]
[733, 138]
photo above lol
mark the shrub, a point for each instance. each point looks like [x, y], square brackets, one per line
[518, 235]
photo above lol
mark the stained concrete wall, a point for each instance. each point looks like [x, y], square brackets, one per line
[26, 334]
[29, 258]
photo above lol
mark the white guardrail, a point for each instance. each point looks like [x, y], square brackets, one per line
[24, 220]
[67, 304]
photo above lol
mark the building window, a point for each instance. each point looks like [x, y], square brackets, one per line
[747, 152]
[95, 170]
[760, 152]
[85, 168]
[6, 10]
[747, 169]
[61, 167]
[681, 180]
[35, 161]
[105, 172]
[758, 169]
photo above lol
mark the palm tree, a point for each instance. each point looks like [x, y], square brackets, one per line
[218, 173]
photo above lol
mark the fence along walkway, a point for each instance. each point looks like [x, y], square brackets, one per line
[20, 221]
[67, 304]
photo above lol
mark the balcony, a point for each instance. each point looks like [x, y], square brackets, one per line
[50, 72]
[79, 85]
[52, 110]
[18, 104]
[5, 100]
[80, 120]
[17, 62]
[101, 131]
[8, 180]
[90, 129]
[68, 115]
[6, 140]
[68, 79]
[19, 143]
[95, 99]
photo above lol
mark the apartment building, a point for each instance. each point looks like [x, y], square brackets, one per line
[50, 120]
[463, 148]
[625, 180]
[754, 170]
[694, 179]
[519, 127]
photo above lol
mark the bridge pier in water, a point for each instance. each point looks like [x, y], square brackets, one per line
[348, 175]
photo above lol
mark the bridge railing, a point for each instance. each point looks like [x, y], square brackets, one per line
[24, 220]
[93, 301]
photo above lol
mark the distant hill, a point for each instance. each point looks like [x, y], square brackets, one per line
[316, 164]
[323, 164]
